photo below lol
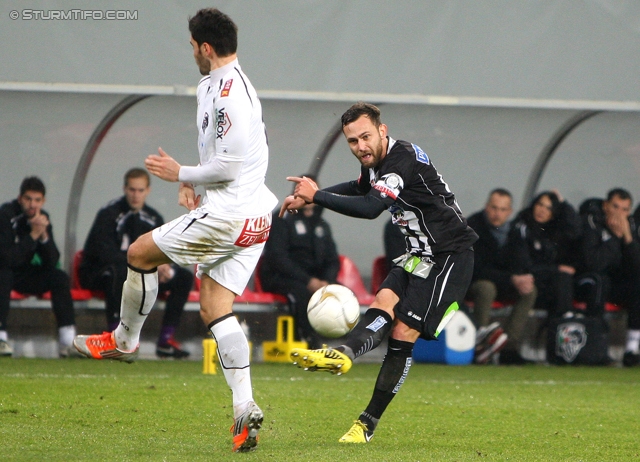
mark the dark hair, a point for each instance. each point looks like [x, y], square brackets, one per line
[361, 109]
[621, 193]
[32, 183]
[136, 173]
[555, 203]
[212, 26]
[501, 192]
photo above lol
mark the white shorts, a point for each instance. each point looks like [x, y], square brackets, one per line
[227, 250]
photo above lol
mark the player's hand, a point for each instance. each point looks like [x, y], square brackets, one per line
[187, 197]
[305, 188]
[619, 226]
[315, 284]
[291, 204]
[567, 269]
[163, 166]
[165, 273]
[524, 283]
[39, 225]
[557, 193]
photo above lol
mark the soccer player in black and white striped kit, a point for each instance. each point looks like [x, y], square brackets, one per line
[426, 285]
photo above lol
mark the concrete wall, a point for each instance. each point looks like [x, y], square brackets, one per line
[512, 73]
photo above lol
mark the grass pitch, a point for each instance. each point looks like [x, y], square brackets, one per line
[64, 410]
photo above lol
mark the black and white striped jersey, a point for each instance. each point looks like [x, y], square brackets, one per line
[419, 200]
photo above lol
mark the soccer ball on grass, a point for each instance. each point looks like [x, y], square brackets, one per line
[333, 311]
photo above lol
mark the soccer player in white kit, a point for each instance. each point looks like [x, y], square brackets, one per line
[224, 235]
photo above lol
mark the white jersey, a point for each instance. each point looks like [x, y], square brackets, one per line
[230, 128]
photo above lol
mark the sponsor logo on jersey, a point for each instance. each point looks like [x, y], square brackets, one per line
[414, 316]
[255, 231]
[226, 88]
[421, 156]
[205, 121]
[223, 124]
[571, 337]
[389, 185]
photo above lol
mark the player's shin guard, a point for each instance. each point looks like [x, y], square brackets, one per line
[392, 375]
[368, 334]
[233, 352]
[139, 293]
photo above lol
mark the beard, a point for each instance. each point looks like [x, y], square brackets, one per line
[204, 66]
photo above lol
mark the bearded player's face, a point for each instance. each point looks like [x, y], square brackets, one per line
[204, 66]
[366, 141]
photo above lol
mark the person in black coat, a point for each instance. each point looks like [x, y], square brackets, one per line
[29, 260]
[547, 231]
[610, 262]
[299, 258]
[104, 263]
[495, 279]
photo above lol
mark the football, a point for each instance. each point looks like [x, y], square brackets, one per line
[333, 311]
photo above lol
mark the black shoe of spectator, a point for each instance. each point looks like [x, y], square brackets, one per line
[630, 359]
[171, 349]
[511, 357]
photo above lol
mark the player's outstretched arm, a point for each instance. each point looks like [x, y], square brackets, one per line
[163, 166]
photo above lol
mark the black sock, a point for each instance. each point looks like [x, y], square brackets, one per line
[392, 375]
[368, 334]
[369, 420]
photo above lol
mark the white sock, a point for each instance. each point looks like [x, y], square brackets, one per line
[633, 341]
[233, 352]
[139, 293]
[66, 335]
[4, 336]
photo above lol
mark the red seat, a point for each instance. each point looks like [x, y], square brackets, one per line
[379, 272]
[17, 295]
[77, 291]
[349, 276]
[609, 307]
[259, 293]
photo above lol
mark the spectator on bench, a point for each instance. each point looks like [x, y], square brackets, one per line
[547, 232]
[29, 263]
[494, 279]
[610, 263]
[299, 258]
[104, 263]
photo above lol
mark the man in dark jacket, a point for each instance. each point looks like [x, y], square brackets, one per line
[299, 258]
[494, 279]
[104, 262]
[29, 262]
[610, 263]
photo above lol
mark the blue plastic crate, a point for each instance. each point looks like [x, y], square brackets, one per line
[455, 344]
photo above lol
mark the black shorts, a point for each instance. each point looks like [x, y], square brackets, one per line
[424, 301]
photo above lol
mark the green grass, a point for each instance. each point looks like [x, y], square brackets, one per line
[163, 410]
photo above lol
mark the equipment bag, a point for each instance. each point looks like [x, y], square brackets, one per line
[576, 339]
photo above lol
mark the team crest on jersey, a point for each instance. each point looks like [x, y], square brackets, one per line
[397, 216]
[389, 185]
[205, 121]
[226, 88]
[223, 124]
[421, 156]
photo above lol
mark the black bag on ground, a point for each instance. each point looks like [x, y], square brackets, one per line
[576, 339]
